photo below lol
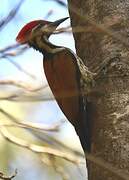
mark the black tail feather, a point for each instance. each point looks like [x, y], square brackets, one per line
[83, 125]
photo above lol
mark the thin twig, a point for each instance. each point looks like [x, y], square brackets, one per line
[48, 14]
[11, 15]
[30, 125]
[60, 2]
[10, 47]
[39, 149]
[22, 84]
[20, 68]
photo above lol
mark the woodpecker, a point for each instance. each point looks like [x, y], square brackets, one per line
[63, 70]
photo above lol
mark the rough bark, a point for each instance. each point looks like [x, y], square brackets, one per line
[106, 40]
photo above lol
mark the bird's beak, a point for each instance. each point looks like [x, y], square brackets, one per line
[51, 27]
[58, 22]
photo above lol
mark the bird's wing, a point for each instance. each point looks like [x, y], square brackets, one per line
[63, 76]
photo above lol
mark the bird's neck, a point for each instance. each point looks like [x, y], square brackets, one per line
[43, 45]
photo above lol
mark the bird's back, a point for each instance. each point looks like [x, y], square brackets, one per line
[63, 76]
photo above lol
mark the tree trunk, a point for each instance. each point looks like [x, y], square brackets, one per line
[104, 42]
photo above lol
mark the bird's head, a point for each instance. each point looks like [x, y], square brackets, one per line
[37, 28]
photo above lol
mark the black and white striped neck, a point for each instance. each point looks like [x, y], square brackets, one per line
[43, 45]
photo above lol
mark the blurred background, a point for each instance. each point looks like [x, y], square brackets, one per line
[35, 137]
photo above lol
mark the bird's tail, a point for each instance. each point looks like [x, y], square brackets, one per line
[83, 125]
